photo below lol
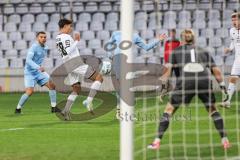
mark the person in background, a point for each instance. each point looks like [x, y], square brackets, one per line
[170, 44]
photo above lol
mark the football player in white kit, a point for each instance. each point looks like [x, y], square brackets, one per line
[235, 44]
[67, 47]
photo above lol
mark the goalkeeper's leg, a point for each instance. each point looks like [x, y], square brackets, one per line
[219, 125]
[209, 101]
[163, 126]
[177, 98]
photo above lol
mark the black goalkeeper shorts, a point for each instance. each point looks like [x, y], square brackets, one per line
[184, 92]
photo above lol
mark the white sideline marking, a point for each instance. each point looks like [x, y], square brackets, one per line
[11, 129]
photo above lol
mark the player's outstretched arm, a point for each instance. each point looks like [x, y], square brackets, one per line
[217, 74]
[110, 45]
[231, 47]
[219, 77]
[227, 50]
[166, 73]
[140, 42]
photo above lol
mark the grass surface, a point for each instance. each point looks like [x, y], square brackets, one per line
[40, 135]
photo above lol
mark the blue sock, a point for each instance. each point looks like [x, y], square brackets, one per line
[53, 97]
[22, 100]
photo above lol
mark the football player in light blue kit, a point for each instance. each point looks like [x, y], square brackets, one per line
[34, 73]
[115, 40]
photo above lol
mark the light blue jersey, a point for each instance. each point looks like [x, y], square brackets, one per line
[116, 40]
[34, 60]
[35, 57]
[137, 40]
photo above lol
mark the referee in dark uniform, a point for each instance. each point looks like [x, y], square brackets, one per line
[193, 64]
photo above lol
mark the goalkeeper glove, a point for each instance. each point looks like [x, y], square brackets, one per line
[165, 89]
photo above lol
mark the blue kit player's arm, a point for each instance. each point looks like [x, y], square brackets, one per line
[110, 45]
[140, 42]
[29, 60]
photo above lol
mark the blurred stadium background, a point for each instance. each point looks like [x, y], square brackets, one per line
[97, 19]
[39, 133]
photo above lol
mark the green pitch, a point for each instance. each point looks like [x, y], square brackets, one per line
[41, 135]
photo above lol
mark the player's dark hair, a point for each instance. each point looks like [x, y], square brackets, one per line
[63, 22]
[236, 15]
[172, 30]
[41, 32]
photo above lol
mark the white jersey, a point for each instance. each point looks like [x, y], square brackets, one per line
[66, 46]
[235, 44]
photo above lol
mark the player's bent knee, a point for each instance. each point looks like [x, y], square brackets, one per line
[51, 85]
[233, 79]
[211, 108]
[169, 109]
[99, 78]
[29, 92]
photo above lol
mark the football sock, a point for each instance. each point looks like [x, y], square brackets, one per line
[93, 91]
[71, 98]
[118, 100]
[53, 97]
[22, 100]
[218, 122]
[231, 89]
[164, 123]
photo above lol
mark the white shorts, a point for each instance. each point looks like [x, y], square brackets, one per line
[235, 68]
[79, 74]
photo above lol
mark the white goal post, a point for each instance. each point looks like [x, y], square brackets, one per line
[126, 126]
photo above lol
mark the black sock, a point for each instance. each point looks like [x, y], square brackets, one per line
[218, 122]
[163, 125]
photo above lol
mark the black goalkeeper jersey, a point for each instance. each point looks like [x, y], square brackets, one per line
[182, 56]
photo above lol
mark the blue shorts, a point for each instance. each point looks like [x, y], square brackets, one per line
[41, 78]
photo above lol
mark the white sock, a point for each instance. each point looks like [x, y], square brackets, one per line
[71, 98]
[19, 107]
[118, 107]
[93, 91]
[231, 90]
[53, 104]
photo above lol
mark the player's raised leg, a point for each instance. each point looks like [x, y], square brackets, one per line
[23, 99]
[98, 79]
[52, 95]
